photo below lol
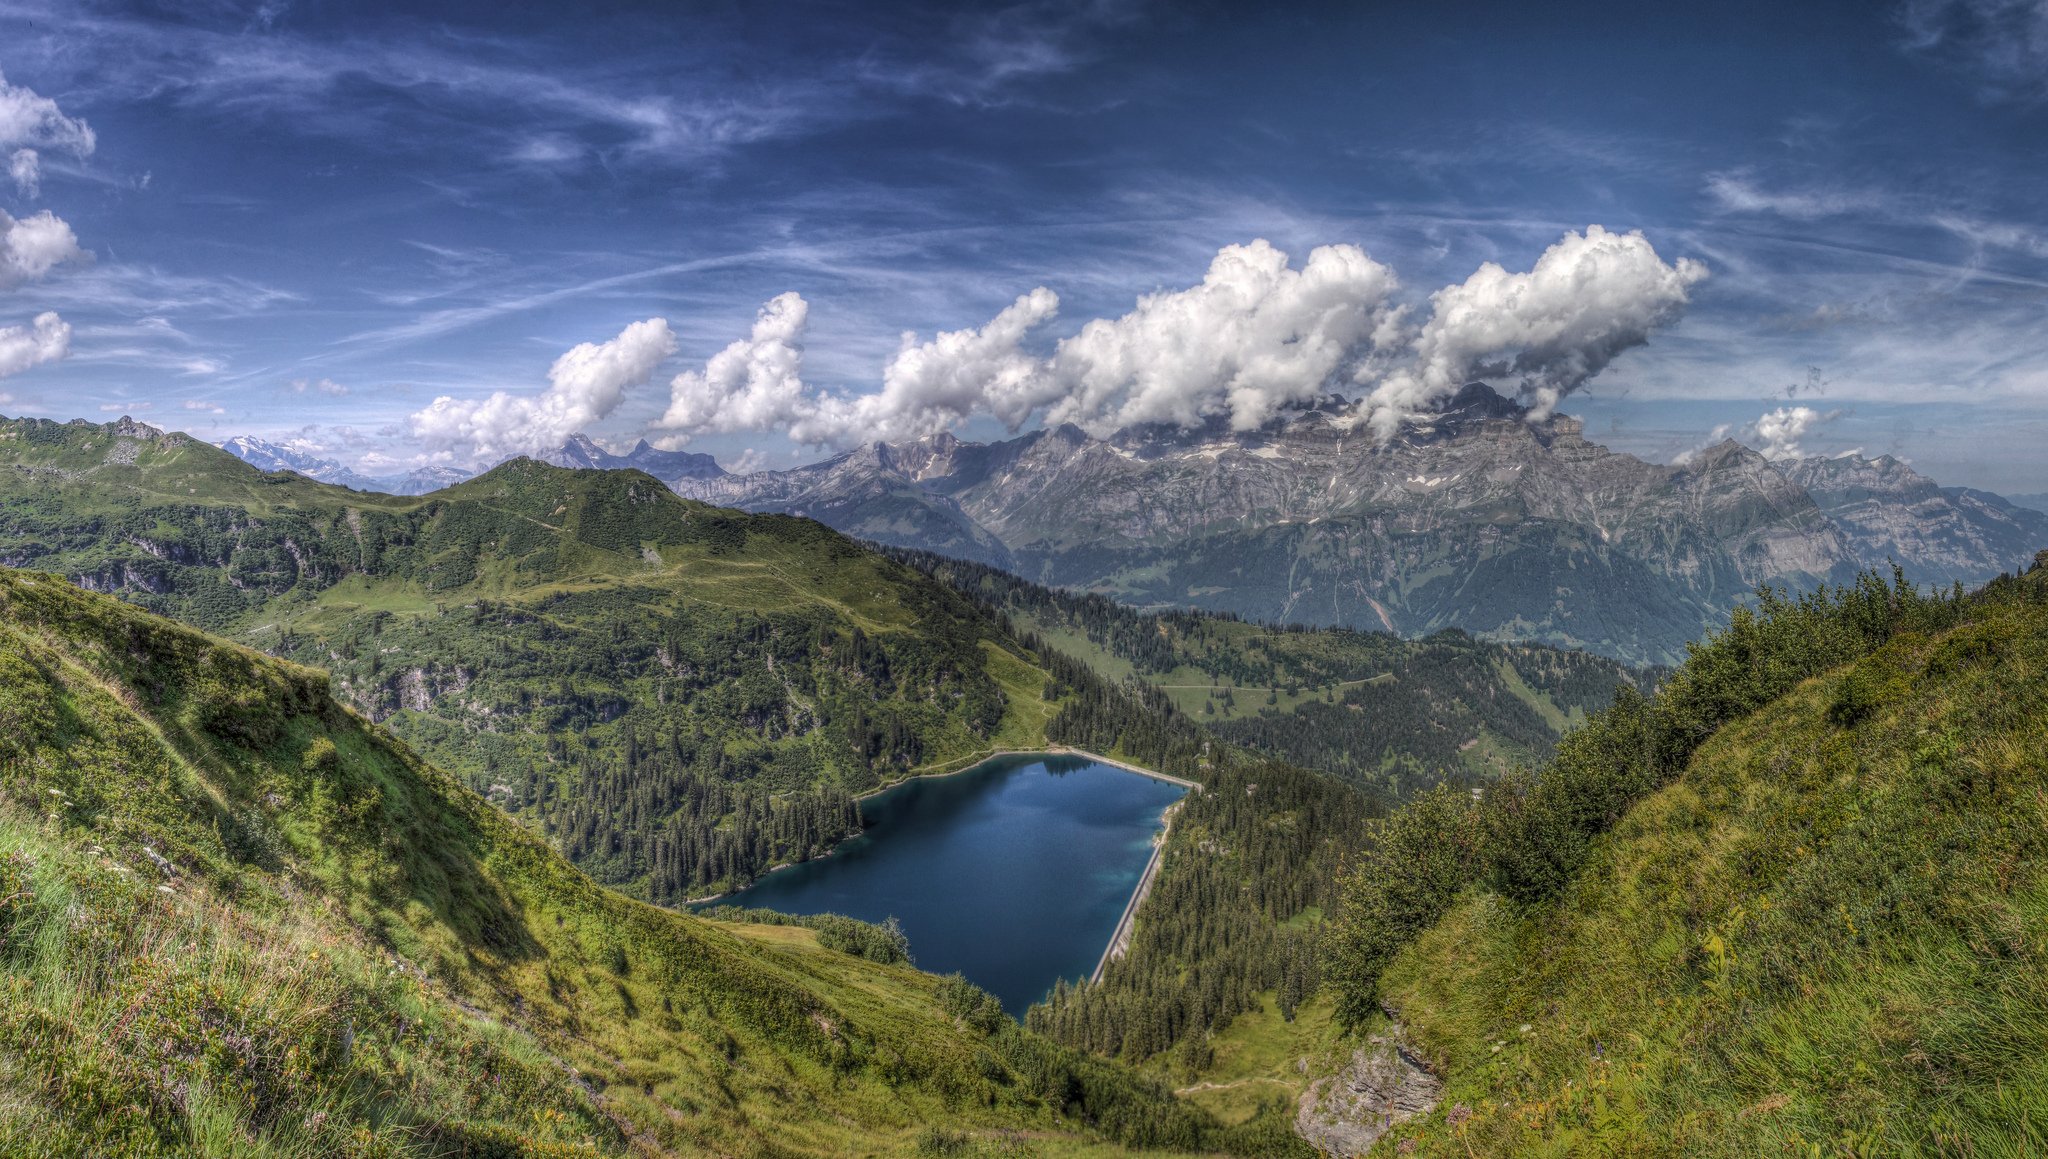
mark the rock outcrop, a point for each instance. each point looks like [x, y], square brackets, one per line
[1383, 1085]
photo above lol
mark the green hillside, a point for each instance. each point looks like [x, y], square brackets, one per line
[1795, 905]
[680, 695]
[239, 919]
[1385, 713]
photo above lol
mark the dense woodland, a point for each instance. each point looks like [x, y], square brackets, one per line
[668, 747]
[1251, 865]
[1390, 715]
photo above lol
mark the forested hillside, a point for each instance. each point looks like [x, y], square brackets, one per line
[1386, 714]
[1248, 871]
[680, 695]
[238, 918]
[1790, 905]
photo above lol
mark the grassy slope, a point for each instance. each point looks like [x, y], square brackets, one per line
[236, 918]
[1826, 938]
[487, 622]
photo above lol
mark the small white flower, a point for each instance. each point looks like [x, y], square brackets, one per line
[168, 889]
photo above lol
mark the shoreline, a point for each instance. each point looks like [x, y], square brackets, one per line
[1120, 938]
[975, 763]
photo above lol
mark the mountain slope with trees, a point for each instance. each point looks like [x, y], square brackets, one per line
[681, 695]
[239, 918]
[1390, 715]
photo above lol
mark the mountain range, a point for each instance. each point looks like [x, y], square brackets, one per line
[1485, 518]
[671, 467]
[581, 451]
[268, 456]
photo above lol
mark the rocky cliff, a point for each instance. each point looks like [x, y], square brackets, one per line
[1483, 519]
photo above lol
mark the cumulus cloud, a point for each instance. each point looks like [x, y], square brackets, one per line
[754, 384]
[30, 122]
[46, 339]
[932, 386]
[1587, 299]
[585, 385]
[1714, 439]
[32, 246]
[1255, 338]
[1778, 432]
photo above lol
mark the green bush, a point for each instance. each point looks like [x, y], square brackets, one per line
[1533, 830]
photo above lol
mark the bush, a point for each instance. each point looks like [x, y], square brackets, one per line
[1533, 830]
[1412, 869]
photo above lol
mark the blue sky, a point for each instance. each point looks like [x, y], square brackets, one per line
[312, 220]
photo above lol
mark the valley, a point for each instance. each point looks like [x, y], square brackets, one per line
[1028, 579]
[675, 699]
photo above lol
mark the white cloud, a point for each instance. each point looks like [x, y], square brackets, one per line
[1587, 299]
[1778, 432]
[1738, 193]
[31, 246]
[46, 339]
[326, 386]
[748, 462]
[27, 118]
[26, 168]
[203, 405]
[1254, 338]
[754, 384]
[586, 385]
[30, 122]
[1713, 439]
[932, 386]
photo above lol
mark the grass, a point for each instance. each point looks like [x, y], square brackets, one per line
[237, 919]
[1826, 938]
[522, 630]
[1261, 1060]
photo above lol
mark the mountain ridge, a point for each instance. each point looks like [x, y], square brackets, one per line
[1482, 517]
[268, 456]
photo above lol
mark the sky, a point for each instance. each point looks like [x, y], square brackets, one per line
[418, 233]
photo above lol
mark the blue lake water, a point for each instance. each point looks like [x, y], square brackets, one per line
[1014, 872]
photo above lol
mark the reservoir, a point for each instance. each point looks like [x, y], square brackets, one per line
[1014, 872]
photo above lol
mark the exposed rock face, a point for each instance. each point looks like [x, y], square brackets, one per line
[878, 492]
[671, 467]
[1481, 519]
[1382, 1086]
[1889, 512]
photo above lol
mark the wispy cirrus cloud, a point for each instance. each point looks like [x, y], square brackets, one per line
[31, 123]
[1999, 46]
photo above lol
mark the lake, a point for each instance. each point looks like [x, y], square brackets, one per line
[1014, 872]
